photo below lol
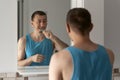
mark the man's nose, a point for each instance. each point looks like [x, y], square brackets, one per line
[42, 24]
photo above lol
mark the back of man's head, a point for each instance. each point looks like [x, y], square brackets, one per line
[79, 19]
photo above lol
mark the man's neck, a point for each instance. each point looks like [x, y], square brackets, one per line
[38, 36]
[84, 43]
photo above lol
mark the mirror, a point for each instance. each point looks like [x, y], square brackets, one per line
[56, 16]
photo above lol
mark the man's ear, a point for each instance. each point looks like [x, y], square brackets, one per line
[68, 27]
[91, 27]
[32, 23]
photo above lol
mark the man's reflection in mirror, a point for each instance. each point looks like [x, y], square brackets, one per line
[36, 48]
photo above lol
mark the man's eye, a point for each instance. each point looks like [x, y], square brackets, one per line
[39, 21]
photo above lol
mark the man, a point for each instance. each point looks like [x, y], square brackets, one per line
[36, 48]
[85, 60]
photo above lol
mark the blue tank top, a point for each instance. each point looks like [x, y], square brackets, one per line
[93, 65]
[45, 47]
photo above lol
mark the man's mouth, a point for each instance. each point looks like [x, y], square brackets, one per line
[41, 30]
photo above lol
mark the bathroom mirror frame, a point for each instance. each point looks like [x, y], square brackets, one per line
[22, 14]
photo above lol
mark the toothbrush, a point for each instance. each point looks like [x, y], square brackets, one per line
[41, 31]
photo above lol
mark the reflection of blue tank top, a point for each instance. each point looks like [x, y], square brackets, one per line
[93, 65]
[44, 47]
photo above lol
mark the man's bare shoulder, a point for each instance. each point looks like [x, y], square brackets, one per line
[61, 58]
[61, 54]
[22, 40]
[57, 65]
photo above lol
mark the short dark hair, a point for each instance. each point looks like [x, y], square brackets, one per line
[80, 19]
[42, 13]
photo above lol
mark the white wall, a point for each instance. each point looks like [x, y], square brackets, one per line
[56, 12]
[8, 35]
[96, 8]
[112, 28]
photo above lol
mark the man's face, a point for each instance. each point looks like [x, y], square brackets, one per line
[39, 22]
